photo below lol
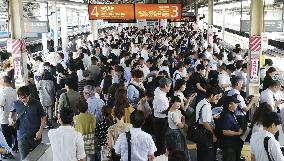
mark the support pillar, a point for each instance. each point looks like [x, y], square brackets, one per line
[94, 29]
[196, 10]
[223, 23]
[43, 17]
[64, 32]
[163, 22]
[210, 23]
[16, 23]
[210, 12]
[256, 28]
[55, 26]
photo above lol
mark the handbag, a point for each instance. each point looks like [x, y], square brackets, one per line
[196, 132]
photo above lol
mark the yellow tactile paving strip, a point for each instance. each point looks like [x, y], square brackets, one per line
[245, 152]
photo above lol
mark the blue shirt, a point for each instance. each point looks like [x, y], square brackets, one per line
[95, 106]
[228, 121]
[30, 120]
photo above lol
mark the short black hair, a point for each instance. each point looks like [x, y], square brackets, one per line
[7, 79]
[235, 80]
[200, 67]
[83, 106]
[70, 82]
[138, 74]
[271, 118]
[24, 91]
[66, 115]
[137, 118]
[211, 91]
[177, 155]
[179, 84]
[274, 83]
[231, 67]
[179, 65]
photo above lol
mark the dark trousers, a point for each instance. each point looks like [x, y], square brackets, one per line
[26, 145]
[160, 129]
[10, 134]
[231, 154]
[206, 150]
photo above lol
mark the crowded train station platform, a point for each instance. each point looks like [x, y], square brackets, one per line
[151, 80]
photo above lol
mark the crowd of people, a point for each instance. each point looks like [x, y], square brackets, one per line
[134, 95]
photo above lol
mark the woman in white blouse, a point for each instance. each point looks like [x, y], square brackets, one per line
[176, 124]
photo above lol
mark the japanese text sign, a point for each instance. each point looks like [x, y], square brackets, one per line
[254, 70]
[111, 11]
[158, 11]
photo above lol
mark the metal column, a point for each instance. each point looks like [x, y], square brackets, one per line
[55, 26]
[64, 32]
[210, 23]
[16, 24]
[196, 10]
[223, 23]
[210, 12]
[256, 28]
[94, 29]
[43, 17]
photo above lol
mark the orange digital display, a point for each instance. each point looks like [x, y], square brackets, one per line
[158, 11]
[111, 11]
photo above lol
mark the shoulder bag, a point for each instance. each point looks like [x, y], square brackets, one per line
[196, 132]
[266, 147]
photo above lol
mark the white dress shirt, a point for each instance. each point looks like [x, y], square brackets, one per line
[223, 79]
[66, 144]
[161, 158]
[268, 97]
[8, 96]
[206, 113]
[145, 55]
[142, 145]
[160, 103]
[258, 150]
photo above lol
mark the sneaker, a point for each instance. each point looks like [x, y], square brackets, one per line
[8, 156]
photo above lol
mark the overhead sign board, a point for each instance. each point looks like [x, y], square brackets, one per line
[121, 21]
[158, 11]
[111, 11]
[185, 19]
[36, 26]
[270, 25]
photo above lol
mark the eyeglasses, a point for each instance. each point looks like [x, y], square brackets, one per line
[23, 97]
[86, 93]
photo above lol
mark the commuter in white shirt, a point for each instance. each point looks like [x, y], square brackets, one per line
[160, 105]
[268, 95]
[66, 143]
[144, 53]
[8, 96]
[142, 144]
[271, 122]
[224, 79]
[205, 150]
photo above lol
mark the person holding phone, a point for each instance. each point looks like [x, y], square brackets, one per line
[30, 122]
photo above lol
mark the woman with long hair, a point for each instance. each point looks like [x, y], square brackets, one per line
[257, 118]
[121, 102]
